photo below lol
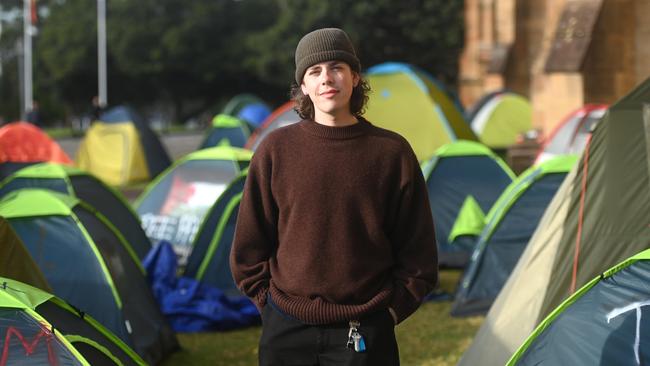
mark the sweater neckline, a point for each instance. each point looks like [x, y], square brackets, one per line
[339, 133]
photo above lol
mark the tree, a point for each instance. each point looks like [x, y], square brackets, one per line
[193, 55]
[190, 52]
[426, 33]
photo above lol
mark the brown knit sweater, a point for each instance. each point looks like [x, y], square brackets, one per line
[335, 223]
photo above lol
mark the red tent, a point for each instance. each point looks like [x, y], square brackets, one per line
[22, 142]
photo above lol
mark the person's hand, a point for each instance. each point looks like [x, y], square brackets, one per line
[393, 314]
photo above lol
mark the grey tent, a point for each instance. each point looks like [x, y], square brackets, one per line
[605, 323]
[598, 218]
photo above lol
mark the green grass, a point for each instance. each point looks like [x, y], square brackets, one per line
[429, 337]
[59, 132]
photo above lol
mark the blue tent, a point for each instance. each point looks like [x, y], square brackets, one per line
[227, 130]
[89, 264]
[606, 322]
[88, 188]
[458, 172]
[254, 113]
[174, 206]
[509, 226]
[209, 261]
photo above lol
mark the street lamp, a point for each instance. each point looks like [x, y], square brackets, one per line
[101, 53]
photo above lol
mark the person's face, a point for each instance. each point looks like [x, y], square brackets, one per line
[329, 86]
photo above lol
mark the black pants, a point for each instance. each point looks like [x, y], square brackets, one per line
[287, 341]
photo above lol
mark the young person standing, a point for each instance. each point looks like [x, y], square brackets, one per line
[334, 241]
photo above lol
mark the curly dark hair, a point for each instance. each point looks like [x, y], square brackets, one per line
[305, 108]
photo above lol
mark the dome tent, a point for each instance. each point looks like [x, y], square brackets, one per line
[248, 108]
[570, 136]
[608, 311]
[85, 186]
[22, 142]
[94, 342]
[226, 130]
[254, 114]
[209, 261]
[282, 116]
[80, 253]
[19, 323]
[509, 225]
[121, 149]
[408, 101]
[501, 118]
[459, 173]
[174, 205]
[604, 201]
[15, 260]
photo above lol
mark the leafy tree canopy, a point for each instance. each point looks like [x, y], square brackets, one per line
[194, 55]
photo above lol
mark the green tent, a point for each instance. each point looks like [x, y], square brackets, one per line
[607, 311]
[501, 119]
[95, 343]
[88, 188]
[509, 225]
[174, 206]
[15, 260]
[209, 261]
[226, 130]
[460, 174]
[598, 218]
[87, 262]
[29, 339]
[410, 102]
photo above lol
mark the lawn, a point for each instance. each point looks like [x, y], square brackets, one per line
[429, 337]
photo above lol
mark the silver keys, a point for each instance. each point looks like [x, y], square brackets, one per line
[359, 343]
[355, 340]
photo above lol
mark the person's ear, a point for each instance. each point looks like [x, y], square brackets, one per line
[355, 79]
[303, 88]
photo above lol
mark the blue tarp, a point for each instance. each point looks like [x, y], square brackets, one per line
[192, 306]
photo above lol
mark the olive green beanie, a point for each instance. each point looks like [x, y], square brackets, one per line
[322, 45]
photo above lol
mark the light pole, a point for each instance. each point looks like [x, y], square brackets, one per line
[28, 96]
[101, 53]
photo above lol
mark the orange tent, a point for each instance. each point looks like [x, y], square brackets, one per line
[22, 142]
